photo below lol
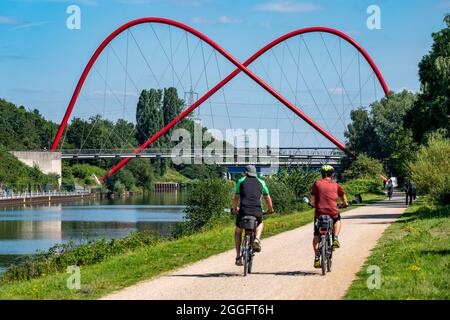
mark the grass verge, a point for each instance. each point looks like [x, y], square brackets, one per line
[413, 256]
[131, 267]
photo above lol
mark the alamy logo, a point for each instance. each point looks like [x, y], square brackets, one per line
[73, 21]
[74, 280]
[374, 20]
[374, 280]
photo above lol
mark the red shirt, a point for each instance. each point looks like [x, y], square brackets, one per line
[326, 193]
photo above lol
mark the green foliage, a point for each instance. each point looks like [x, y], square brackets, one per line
[206, 203]
[24, 130]
[362, 185]
[173, 176]
[85, 171]
[60, 256]
[288, 188]
[19, 177]
[283, 197]
[364, 167]
[432, 108]
[430, 170]
[380, 134]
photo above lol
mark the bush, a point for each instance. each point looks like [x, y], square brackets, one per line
[206, 204]
[362, 185]
[430, 170]
[60, 256]
[283, 196]
[299, 181]
[364, 167]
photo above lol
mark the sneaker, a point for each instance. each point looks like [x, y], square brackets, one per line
[257, 245]
[317, 263]
[239, 261]
[336, 243]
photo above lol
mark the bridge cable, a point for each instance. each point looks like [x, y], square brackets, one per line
[321, 79]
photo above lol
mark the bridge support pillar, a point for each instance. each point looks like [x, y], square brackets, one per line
[47, 162]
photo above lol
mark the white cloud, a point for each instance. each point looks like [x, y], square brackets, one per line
[337, 91]
[7, 20]
[228, 20]
[220, 20]
[286, 6]
[199, 20]
[30, 25]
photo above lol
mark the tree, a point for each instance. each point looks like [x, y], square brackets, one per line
[364, 167]
[172, 105]
[380, 133]
[432, 108]
[149, 117]
[360, 134]
[149, 120]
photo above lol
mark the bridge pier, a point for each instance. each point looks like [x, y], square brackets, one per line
[47, 162]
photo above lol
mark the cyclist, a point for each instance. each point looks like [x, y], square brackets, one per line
[249, 190]
[390, 188]
[324, 195]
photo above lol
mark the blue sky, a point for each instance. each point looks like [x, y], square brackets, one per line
[41, 60]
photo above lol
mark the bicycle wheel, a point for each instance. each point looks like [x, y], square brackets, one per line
[246, 255]
[329, 253]
[250, 260]
[323, 255]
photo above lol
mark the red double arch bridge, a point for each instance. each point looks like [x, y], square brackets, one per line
[240, 67]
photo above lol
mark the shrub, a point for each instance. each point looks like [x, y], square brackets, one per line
[364, 167]
[430, 170]
[299, 181]
[362, 185]
[60, 256]
[206, 204]
[283, 196]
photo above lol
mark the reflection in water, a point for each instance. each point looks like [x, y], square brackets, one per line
[24, 230]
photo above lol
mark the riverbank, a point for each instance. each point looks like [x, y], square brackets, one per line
[131, 267]
[412, 256]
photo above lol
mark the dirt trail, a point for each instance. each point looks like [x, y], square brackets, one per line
[283, 270]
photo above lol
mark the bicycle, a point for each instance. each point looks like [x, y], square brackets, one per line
[249, 224]
[326, 242]
[326, 231]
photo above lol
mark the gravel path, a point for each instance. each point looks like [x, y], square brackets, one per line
[283, 270]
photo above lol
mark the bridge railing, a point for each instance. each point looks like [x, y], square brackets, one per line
[20, 195]
[236, 151]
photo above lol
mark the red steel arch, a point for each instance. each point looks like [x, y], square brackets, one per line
[240, 67]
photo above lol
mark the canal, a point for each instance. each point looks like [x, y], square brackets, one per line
[24, 230]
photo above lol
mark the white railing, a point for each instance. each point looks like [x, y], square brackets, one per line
[27, 195]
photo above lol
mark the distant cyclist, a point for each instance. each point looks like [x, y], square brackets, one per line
[390, 188]
[324, 195]
[249, 190]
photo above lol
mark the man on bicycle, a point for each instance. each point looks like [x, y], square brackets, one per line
[324, 195]
[249, 190]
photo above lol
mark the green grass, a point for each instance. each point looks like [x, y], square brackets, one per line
[413, 256]
[127, 269]
[173, 176]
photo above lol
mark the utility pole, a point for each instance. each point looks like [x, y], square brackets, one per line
[190, 97]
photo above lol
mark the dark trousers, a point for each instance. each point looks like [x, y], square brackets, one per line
[409, 196]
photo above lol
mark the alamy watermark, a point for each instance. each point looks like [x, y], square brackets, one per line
[73, 21]
[235, 146]
[374, 280]
[74, 280]
[373, 22]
